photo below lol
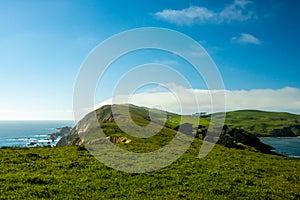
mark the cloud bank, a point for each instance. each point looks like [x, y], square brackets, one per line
[237, 11]
[284, 100]
[246, 38]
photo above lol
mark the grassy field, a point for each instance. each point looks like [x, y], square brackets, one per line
[72, 173]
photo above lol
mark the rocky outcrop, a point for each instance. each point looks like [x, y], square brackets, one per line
[286, 131]
[67, 140]
[109, 118]
[237, 138]
[118, 139]
[83, 127]
[60, 132]
[76, 142]
[113, 139]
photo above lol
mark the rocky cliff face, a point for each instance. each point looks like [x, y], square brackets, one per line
[113, 139]
[75, 135]
[290, 131]
[237, 138]
[89, 124]
[60, 132]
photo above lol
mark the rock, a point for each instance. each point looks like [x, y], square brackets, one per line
[232, 138]
[60, 133]
[67, 139]
[284, 132]
[109, 118]
[97, 141]
[113, 139]
[62, 142]
[118, 139]
[76, 142]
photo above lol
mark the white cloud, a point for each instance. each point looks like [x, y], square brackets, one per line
[285, 100]
[236, 12]
[187, 16]
[246, 38]
[200, 15]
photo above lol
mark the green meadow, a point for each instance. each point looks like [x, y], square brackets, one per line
[71, 172]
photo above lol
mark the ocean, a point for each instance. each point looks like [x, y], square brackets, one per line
[29, 133]
[287, 146]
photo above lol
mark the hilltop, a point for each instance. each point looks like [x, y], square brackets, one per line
[262, 123]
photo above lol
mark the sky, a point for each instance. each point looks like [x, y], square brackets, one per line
[43, 44]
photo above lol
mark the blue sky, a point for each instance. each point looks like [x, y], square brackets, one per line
[255, 45]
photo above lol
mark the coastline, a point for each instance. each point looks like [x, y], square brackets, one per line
[286, 146]
[32, 133]
[277, 137]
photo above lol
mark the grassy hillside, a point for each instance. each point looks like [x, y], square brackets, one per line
[259, 123]
[264, 123]
[72, 173]
[164, 125]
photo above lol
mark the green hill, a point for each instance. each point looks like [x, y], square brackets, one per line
[263, 123]
[244, 122]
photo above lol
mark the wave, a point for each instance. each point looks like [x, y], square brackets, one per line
[31, 141]
[41, 135]
[19, 139]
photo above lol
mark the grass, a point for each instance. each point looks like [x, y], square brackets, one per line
[259, 123]
[262, 123]
[72, 173]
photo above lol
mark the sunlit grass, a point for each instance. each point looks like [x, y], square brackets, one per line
[71, 172]
[225, 173]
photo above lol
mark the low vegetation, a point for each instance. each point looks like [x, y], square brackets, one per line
[71, 172]
[261, 123]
